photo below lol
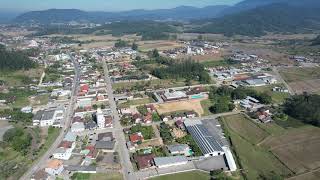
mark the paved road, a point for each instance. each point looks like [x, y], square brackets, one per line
[127, 168]
[68, 117]
[279, 77]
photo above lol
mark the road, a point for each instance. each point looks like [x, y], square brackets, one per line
[68, 117]
[127, 168]
[279, 77]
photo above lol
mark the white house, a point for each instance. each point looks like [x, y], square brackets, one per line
[77, 127]
[64, 151]
[164, 162]
[101, 121]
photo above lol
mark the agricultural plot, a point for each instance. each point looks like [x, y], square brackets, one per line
[255, 160]
[189, 105]
[277, 97]
[302, 79]
[297, 148]
[160, 45]
[246, 128]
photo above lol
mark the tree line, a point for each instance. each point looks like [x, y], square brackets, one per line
[305, 108]
[14, 60]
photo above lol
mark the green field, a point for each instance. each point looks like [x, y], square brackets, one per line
[300, 74]
[98, 176]
[192, 175]
[255, 160]
[206, 104]
[14, 164]
[153, 84]
[277, 97]
[136, 102]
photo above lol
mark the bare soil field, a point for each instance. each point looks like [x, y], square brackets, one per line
[160, 45]
[188, 105]
[302, 79]
[206, 57]
[310, 86]
[314, 175]
[297, 148]
[262, 51]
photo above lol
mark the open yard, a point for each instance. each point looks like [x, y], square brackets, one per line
[98, 176]
[136, 102]
[302, 79]
[189, 105]
[297, 148]
[146, 46]
[245, 128]
[21, 77]
[277, 97]
[184, 176]
[253, 159]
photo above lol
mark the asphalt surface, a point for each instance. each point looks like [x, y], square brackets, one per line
[127, 168]
[68, 117]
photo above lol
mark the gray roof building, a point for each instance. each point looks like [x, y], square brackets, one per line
[163, 162]
[105, 145]
[207, 143]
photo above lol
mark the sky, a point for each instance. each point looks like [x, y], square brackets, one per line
[104, 5]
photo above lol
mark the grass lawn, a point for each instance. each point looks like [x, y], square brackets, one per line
[19, 78]
[300, 74]
[277, 97]
[40, 100]
[157, 84]
[98, 176]
[21, 97]
[206, 104]
[255, 160]
[136, 102]
[53, 133]
[215, 63]
[245, 128]
[192, 175]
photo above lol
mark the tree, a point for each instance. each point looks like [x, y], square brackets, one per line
[120, 44]
[155, 53]
[95, 106]
[134, 46]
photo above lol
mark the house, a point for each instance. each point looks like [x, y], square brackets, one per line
[70, 136]
[108, 121]
[130, 146]
[148, 118]
[151, 108]
[264, 115]
[190, 114]
[54, 167]
[90, 125]
[166, 118]
[84, 88]
[165, 162]
[90, 152]
[136, 138]
[27, 109]
[108, 136]
[137, 118]
[144, 161]
[180, 125]
[77, 127]
[179, 149]
[101, 121]
[105, 146]
[171, 95]
[64, 151]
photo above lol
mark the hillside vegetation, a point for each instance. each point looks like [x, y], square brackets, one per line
[14, 60]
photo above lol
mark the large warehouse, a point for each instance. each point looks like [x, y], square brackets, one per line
[207, 143]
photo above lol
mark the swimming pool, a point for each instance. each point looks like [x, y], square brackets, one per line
[197, 96]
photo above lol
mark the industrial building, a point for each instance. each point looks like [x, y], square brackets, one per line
[207, 143]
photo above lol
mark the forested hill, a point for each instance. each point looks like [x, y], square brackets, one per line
[67, 15]
[278, 18]
[13, 60]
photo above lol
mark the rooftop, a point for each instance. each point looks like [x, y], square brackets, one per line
[206, 141]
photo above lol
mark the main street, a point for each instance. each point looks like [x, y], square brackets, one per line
[127, 168]
[68, 117]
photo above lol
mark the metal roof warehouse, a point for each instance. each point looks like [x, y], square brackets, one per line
[207, 143]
